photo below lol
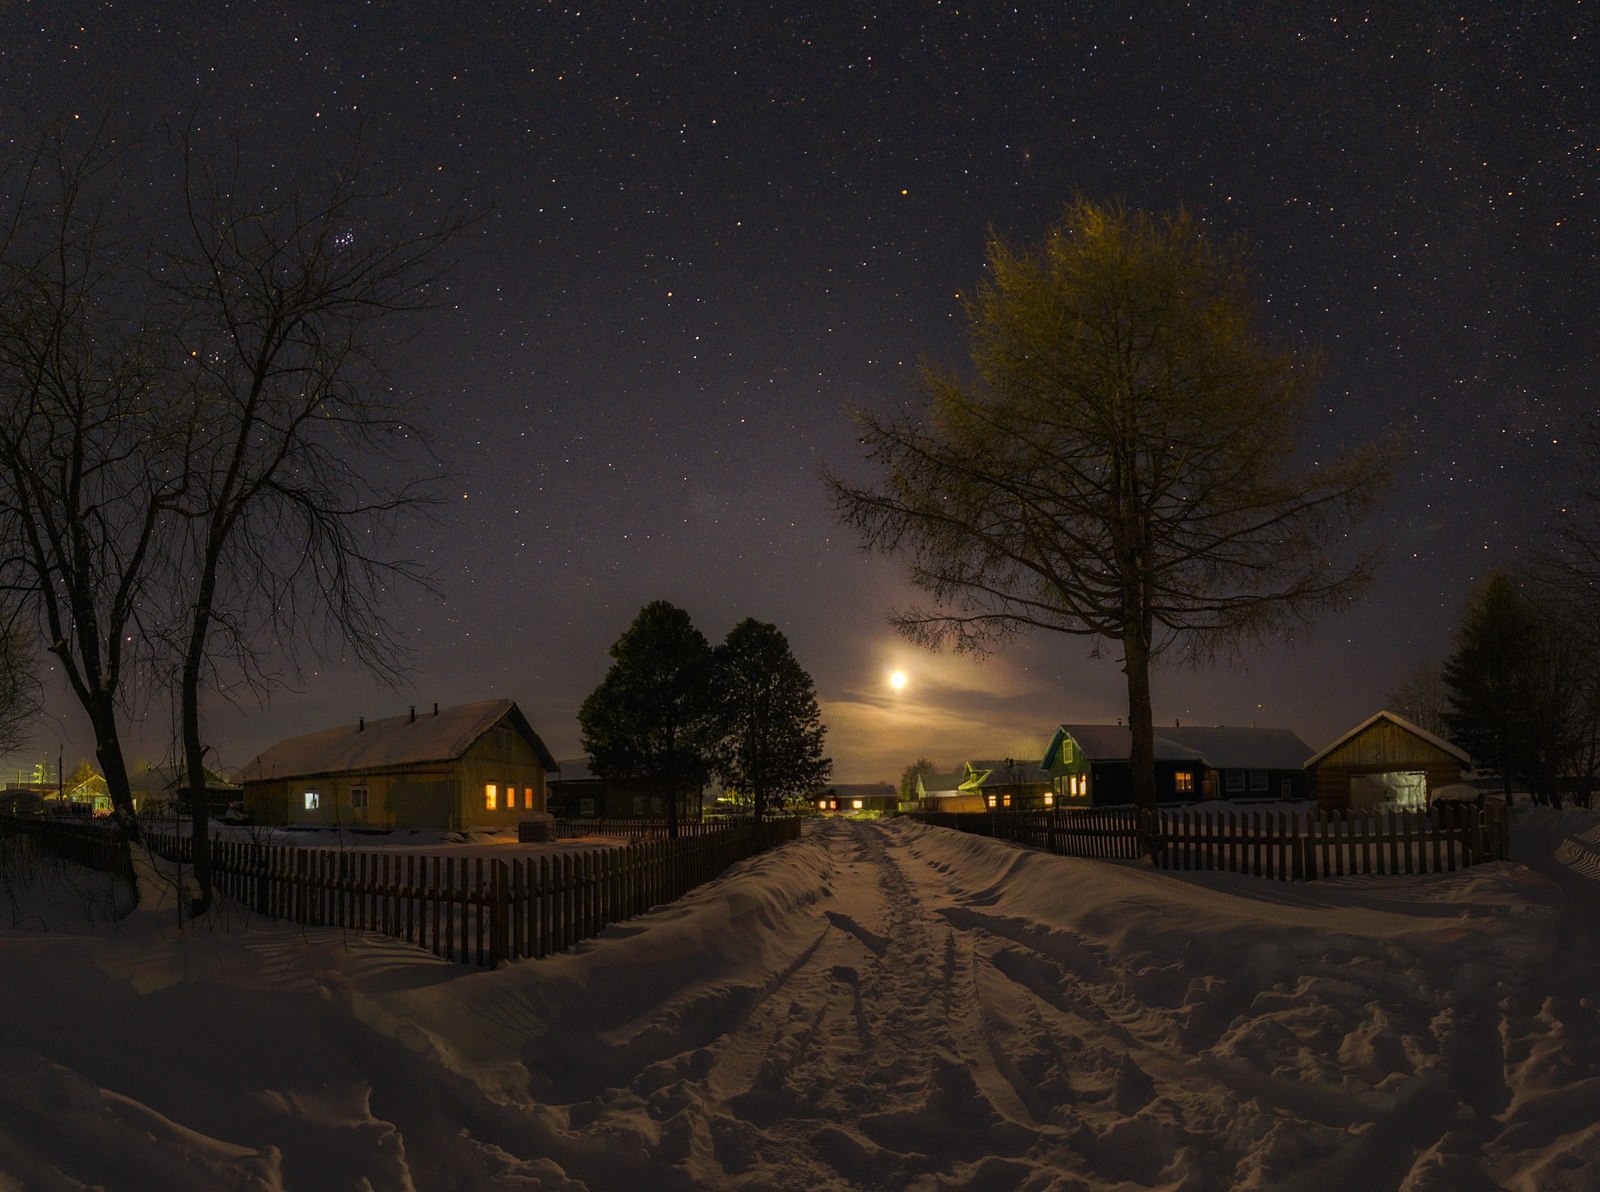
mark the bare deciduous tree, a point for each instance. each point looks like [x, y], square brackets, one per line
[90, 456]
[302, 457]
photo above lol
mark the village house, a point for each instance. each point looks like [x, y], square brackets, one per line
[477, 765]
[577, 792]
[1008, 784]
[166, 788]
[856, 798]
[1088, 764]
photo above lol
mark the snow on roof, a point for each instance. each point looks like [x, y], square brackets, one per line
[1114, 742]
[1223, 747]
[1000, 772]
[169, 778]
[1235, 748]
[576, 769]
[440, 736]
[1401, 722]
[932, 783]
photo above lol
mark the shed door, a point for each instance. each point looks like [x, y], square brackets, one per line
[1406, 789]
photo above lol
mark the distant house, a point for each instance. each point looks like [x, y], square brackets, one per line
[1009, 784]
[156, 787]
[848, 798]
[1384, 761]
[478, 765]
[1088, 764]
[577, 792]
[942, 792]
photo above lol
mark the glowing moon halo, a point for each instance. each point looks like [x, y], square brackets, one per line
[897, 680]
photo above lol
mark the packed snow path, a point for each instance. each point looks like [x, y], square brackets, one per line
[876, 1006]
[888, 1006]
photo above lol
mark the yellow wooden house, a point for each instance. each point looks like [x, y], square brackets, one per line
[477, 765]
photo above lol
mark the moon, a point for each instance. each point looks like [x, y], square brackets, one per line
[897, 679]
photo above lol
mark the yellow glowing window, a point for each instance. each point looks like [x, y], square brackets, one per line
[527, 797]
[491, 794]
[856, 804]
[822, 804]
[1005, 801]
[313, 800]
[1183, 782]
[1049, 798]
[992, 801]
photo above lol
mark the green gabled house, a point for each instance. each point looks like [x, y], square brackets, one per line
[1088, 764]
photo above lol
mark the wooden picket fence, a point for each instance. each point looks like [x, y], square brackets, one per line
[93, 844]
[470, 910]
[1087, 832]
[1285, 845]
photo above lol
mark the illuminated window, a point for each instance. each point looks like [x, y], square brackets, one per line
[1183, 782]
[991, 802]
[855, 804]
[1049, 798]
[358, 798]
[313, 800]
[1234, 780]
[491, 796]
[527, 797]
[1080, 785]
[822, 804]
[1005, 800]
[1258, 780]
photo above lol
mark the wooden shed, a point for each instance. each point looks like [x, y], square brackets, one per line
[1384, 761]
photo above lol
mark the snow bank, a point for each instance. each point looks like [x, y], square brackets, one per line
[877, 1005]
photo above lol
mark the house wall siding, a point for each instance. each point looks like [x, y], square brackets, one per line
[448, 794]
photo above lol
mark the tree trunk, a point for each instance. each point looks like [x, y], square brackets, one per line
[108, 748]
[1141, 728]
[199, 812]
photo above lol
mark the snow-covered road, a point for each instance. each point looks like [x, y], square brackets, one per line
[878, 1005]
[888, 1006]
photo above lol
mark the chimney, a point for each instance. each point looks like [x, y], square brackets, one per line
[436, 708]
[1176, 723]
[413, 713]
[361, 725]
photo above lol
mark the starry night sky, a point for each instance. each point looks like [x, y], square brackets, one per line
[709, 229]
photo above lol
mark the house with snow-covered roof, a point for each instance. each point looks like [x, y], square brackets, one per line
[1088, 764]
[1385, 761]
[476, 765]
[1008, 784]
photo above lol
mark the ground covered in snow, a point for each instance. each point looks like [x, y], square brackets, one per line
[879, 1005]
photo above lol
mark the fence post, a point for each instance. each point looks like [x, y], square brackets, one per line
[499, 929]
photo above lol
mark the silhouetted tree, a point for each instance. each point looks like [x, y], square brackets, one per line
[91, 449]
[1121, 464]
[1512, 684]
[768, 729]
[19, 686]
[1421, 698]
[301, 459]
[651, 718]
[907, 790]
